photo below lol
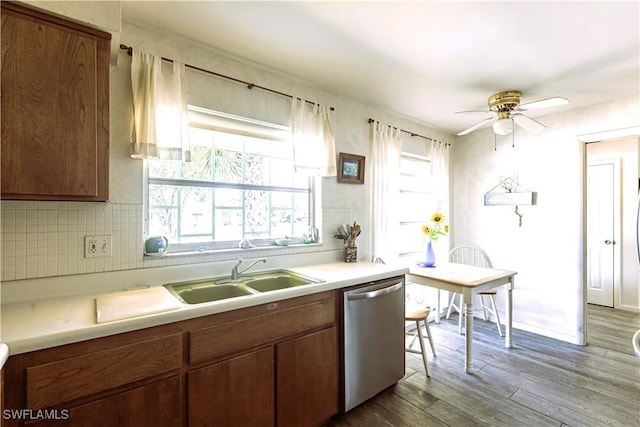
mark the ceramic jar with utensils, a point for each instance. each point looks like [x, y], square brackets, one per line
[351, 253]
[350, 233]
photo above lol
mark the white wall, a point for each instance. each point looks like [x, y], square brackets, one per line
[626, 150]
[44, 240]
[548, 250]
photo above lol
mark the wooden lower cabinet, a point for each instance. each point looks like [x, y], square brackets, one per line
[267, 365]
[307, 379]
[154, 405]
[234, 392]
[246, 390]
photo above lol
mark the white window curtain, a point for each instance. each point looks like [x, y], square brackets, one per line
[439, 156]
[314, 146]
[161, 124]
[386, 146]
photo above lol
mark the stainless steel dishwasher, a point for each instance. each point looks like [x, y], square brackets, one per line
[373, 339]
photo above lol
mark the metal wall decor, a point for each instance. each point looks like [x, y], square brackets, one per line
[511, 194]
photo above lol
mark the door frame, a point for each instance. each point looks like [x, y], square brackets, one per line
[617, 221]
[583, 337]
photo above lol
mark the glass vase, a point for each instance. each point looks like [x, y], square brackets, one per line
[430, 258]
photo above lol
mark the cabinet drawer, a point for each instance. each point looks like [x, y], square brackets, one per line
[258, 330]
[62, 381]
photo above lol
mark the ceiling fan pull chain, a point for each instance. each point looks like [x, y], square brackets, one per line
[513, 137]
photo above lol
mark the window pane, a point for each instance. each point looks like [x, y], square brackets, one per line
[290, 214]
[195, 211]
[162, 222]
[415, 174]
[415, 207]
[415, 198]
[256, 214]
[228, 224]
[163, 211]
[301, 220]
[411, 238]
[165, 169]
[282, 174]
[414, 166]
[256, 169]
[199, 168]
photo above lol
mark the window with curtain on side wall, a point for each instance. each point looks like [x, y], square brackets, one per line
[240, 184]
[415, 201]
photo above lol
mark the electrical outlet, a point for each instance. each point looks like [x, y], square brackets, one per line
[97, 246]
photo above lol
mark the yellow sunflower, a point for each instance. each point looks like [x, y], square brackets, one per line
[437, 218]
[437, 229]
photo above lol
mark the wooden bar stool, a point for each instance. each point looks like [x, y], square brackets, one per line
[420, 315]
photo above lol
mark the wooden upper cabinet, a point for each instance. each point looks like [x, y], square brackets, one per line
[55, 108]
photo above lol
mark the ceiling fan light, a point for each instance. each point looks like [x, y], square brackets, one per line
[503, 126]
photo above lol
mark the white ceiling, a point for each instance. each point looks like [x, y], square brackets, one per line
[425, 60]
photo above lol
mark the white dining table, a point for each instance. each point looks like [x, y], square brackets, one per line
[469, 281]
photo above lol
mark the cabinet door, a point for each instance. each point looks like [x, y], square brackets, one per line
[307, 379]
[154, 405]
[234, 392]
[55, 108]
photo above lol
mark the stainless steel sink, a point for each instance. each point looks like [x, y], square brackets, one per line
[216, 289]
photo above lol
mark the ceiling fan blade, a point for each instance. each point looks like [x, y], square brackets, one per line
[544, 103]
[476, 126]
[528, 123]
[474, 111]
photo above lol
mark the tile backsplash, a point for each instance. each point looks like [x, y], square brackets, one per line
[43, 239]
[46, 239]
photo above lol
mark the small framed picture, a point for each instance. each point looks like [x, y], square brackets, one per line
[350, 168]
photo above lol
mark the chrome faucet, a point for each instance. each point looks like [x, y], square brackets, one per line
[234, 271]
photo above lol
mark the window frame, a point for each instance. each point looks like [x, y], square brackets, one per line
[227, 245]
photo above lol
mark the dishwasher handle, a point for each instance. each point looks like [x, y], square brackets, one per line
[376, 293]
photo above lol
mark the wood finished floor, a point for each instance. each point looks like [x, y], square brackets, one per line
[539, 382]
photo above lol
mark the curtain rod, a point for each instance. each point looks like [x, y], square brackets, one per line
[249, 85]
[414, 134]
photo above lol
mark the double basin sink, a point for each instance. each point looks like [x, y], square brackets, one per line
[208, 290]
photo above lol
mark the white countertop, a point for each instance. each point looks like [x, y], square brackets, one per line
[44, 323]
[4, 354]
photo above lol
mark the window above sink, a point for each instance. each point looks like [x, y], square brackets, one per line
[240, 184]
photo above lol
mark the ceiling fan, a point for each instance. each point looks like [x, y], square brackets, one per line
[506, 109]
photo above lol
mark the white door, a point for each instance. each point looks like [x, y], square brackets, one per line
[600, 232]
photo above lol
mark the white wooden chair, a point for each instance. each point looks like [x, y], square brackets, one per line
[473, 256]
